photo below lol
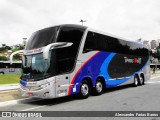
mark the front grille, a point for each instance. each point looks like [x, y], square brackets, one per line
[30, 88]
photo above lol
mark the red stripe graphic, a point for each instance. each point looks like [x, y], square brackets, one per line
[70, 87]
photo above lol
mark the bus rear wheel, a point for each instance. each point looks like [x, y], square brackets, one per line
[136, 81]
[84, 89]
[99, 87]
[141, 80]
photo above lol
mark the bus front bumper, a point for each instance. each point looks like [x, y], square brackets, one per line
[44, 93]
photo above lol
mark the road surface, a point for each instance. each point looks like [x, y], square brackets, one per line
[126, 98]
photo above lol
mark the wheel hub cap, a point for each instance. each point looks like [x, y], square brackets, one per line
[84, 89]
[99, 87]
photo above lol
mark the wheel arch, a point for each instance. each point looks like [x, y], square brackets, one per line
[89, 80]
[142, 74]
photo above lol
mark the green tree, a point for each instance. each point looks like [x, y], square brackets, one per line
[157, 53]
[3, 49]
[16, 57]
[8, 48]
[3, 58]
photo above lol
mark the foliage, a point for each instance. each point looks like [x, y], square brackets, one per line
[18, 48]
[3, 58]
[157, 53]
[16, 57]
[5, 48]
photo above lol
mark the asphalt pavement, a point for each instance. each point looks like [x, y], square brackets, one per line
[10, 92]
[124, 98]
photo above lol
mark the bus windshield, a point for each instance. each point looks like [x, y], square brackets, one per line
[42, 38]
[35, 67]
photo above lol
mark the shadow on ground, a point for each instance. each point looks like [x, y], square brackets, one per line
[55, 101]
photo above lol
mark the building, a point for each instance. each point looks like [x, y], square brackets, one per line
[24, 42]
[158, 42]
[146, 42]
[154, 44]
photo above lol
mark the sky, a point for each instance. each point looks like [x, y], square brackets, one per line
[130, 19]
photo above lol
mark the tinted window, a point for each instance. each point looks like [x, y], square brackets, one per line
[90, 43]
[96, 41]
[101, 42]
[42, 38]
[66, 57]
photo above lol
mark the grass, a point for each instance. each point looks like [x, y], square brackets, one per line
[9, 78]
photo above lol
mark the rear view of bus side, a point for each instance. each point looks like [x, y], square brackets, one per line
[71, 59]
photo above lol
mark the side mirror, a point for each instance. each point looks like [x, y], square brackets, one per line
[54, 46]
[11, 56]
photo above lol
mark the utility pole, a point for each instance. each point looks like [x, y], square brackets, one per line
[82, 21]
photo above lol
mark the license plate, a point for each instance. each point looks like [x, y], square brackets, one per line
[31, 84]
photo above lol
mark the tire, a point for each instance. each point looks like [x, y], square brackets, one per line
[99, 87]
[84, 90]
[141, 80]
[2, 72]
[136, 81]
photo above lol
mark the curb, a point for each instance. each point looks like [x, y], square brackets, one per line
[8, 87]
[11, 102]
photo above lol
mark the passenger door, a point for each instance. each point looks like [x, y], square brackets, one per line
[62, 85]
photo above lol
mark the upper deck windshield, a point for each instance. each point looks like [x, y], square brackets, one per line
[42, 38]
[35, 67]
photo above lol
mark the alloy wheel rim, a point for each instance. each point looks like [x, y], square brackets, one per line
[84, 89]
[136, 81]
[141, 80]
[98, 87]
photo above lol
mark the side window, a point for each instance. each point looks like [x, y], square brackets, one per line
[113, 44]
[90, 43]
[66, 57]
[96, 41]
[102, 42]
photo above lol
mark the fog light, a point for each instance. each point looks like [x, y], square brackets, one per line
[30, 94]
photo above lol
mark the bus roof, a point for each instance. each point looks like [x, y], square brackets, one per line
[73, 25]
[98, 31]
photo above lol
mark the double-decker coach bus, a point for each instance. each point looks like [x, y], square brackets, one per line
[71, 59]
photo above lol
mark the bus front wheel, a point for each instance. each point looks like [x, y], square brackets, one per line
[84, 89]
